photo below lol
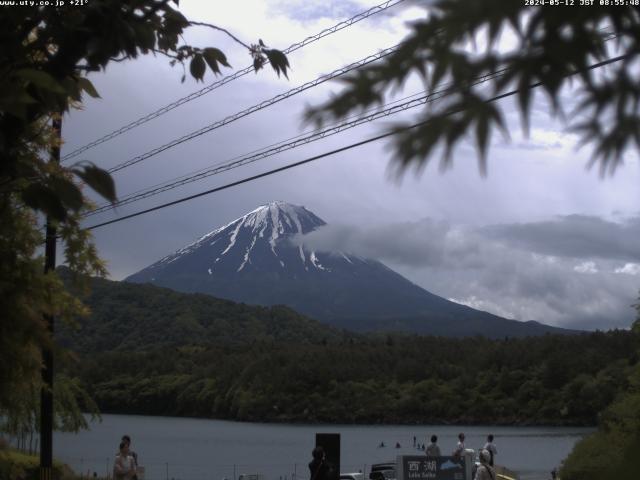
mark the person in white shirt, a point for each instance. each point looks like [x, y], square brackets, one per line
[433, 450]
[485, 471]
[125, 465]
[491, 448]
[460, 447]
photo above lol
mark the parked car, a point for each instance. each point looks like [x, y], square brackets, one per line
[383, 471]
[352, 476]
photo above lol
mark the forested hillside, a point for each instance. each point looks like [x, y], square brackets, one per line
[151, 350]
[130, 317]
[543, 380]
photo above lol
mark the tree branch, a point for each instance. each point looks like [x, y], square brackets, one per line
[167, 54]
[203, 24]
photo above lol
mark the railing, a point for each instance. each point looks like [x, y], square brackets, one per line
[101, 468]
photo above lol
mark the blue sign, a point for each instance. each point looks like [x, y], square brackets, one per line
[414, 467]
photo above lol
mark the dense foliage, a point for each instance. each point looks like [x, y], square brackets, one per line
[132, 317]
[47, 53]
[612, 451]
[539, 380]
[151, 350]
[17, 465]
[478, 51]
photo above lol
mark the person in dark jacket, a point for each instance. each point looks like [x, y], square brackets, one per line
[319, 467]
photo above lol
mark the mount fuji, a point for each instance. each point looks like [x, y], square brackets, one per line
[253, 260]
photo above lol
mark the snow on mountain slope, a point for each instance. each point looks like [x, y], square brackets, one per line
[253, 260]
[257, 241]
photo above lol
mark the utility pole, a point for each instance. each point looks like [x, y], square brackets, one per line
[46, 394]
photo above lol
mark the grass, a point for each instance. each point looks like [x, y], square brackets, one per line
[16, 465]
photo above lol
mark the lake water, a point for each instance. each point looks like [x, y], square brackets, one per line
[198, 449]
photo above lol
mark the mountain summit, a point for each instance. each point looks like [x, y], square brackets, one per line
[256, 242]
[254, 260]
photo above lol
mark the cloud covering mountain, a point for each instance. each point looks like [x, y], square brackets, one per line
[575, 270]
[262, 258]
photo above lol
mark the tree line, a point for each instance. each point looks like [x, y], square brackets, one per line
[558, 380]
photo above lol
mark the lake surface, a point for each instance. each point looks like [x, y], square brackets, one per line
[198, 449]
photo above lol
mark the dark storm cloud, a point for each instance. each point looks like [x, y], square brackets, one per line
[575, 236]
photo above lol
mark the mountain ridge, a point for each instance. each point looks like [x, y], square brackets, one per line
[254, 260]
[130, 317]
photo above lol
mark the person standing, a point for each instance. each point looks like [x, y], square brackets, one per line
[491, 448]
[124, 467]
[485, 471]
[460, 447]
[318, 467]
[433, 450]
[127, 439]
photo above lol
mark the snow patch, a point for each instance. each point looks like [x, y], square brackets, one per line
[346, 258]
[246, 255]
[232, 240]
[316, 263]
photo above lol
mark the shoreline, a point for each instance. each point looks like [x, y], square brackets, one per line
[307, 422]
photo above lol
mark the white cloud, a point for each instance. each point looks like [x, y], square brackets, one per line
[629, 269]
[484, 305]
[586, 267]
[489, 268]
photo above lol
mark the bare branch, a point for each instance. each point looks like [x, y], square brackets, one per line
[203, 24]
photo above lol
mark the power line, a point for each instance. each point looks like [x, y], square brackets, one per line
[258, 155]
[285, 144]
[338, 150]
[253, 156]
[240, 73]
[294, 141]
[393, 108]
[253, 109]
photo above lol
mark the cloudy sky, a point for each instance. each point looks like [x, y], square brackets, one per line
[542, 237]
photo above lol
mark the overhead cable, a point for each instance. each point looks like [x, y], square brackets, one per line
[392, 108]
[253, 109]
[338, 150]
[298, 140]
[223, 81]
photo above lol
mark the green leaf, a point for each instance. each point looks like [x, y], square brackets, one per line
[40, 79]
[278, 60]
[174, 21]
[197, 66]
[98, 179]
[213, 57]
[41, 197]
[258, 63]
[73, 89]
[88, 87]
[15, 101]
[483, 128]
[68, 193]
[524, 102]
[146, 37]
